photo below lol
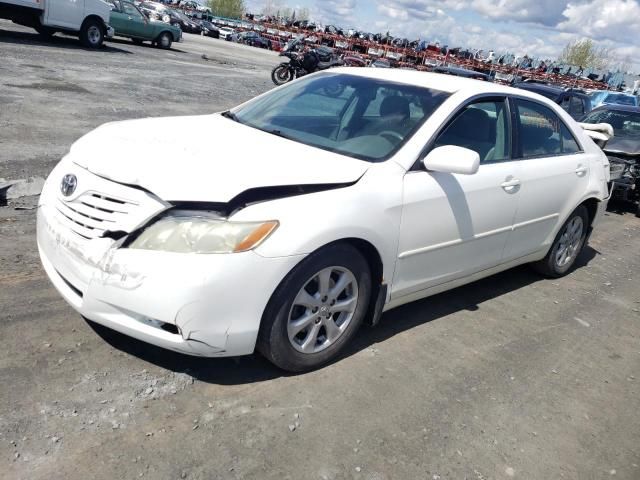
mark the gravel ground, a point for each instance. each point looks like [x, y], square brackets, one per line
[510, 377]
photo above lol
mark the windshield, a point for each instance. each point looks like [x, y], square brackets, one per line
[621, 99]
[625, 124]
[181, 16]
[356, 116]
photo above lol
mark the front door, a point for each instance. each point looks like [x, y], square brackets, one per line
[135, 22]
[456, 225]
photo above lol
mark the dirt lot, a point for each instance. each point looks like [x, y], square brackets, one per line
[513, 376]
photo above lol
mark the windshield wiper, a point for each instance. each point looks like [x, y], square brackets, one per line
[278, 133]
[229, 114]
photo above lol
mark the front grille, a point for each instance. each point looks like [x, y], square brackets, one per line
[103, 208]
[92, 214]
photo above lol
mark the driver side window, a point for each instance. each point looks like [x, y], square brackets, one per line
[130, 10]
[482, 127]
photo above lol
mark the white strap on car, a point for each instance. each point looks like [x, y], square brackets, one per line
[600, 133]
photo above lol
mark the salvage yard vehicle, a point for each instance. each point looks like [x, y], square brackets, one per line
[604, 97]
[129, 21]
[226, 33]
[88, 19]
[576, 102]
[303, 62]
[623, 150]
[359, 190]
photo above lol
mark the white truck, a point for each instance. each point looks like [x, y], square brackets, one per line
[89, 19]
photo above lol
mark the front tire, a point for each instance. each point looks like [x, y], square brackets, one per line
[92, 33]
[567, 245]
[317, 309]
[281, 74]
[165, 40]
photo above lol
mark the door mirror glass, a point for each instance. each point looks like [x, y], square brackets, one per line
[452, 159]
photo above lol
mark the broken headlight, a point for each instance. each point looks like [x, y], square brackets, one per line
[196, 232]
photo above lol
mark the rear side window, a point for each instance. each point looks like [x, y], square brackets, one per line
[541, 132]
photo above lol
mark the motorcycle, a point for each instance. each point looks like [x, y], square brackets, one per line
[302, 63]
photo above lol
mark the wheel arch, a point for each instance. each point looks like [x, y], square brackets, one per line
[592, 207]
[98, 18]
[162, 32]
[373, 258]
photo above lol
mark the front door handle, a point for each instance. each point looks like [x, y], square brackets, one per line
[511, 186]
[581, 171]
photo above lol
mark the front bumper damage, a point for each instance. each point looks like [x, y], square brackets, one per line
[203, 305]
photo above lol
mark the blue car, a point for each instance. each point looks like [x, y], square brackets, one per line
[613, 98]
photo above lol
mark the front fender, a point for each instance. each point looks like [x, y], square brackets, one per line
[368, 210]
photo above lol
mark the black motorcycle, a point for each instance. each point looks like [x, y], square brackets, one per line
[302, 63]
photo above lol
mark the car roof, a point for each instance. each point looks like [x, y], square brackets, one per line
[437, 81]
[542, 87]
[617, 107]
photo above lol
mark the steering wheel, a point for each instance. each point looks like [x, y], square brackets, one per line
[392, 134]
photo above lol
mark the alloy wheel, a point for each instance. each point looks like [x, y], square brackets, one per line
[322, 310]
[570, 242]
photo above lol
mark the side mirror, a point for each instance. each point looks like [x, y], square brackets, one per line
[452, 159]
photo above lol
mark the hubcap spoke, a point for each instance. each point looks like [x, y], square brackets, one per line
[306, 300]
[301, 323]
[324, 279]
[346, 305]
[311, 339]
[340, 285]
[333, 331]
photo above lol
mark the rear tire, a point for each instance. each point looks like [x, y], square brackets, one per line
[46, 32]
[281, 74]
[567, 245]
[306, 324]
[92, 33]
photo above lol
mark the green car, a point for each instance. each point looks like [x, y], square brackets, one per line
[129, 21]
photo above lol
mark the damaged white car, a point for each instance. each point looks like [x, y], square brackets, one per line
[328, 201]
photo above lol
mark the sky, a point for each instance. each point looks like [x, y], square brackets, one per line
[537, 27]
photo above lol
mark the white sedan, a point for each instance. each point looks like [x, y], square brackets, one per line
[226, 32]
[329, 200]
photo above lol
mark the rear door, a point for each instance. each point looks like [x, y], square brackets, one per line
[65, 13]
[554, 175]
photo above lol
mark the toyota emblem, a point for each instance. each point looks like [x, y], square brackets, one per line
[69, 184]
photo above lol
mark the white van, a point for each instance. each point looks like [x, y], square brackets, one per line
[89, 19]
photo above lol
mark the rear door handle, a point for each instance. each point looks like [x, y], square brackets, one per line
[580, 171]
[510, 186]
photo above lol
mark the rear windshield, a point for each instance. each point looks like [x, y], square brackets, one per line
[620, 99]
[356, 116]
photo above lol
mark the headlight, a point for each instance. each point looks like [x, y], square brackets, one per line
[195, 232]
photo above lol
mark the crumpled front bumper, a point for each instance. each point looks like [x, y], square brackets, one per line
[204, 305]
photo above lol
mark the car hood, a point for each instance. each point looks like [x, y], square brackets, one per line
[206, 158]
[624, 145]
